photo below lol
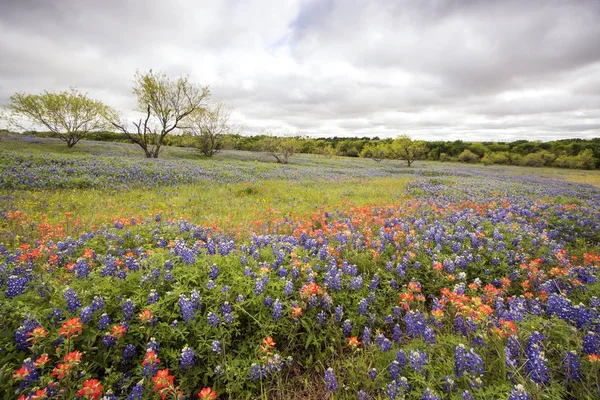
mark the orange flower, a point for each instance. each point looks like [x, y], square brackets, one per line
[296, 312]
[146, 316]
[207, 393]
[118, 331]
[71, 328]
[353, 342]
[438, 314]
[163, 382]
[37, 334]
[150, 358]
[594, 358]
[73, 358]
[61, 371]
[21, 373]
[39, 394]
[92, 389]
[268, 342]
[40, 362]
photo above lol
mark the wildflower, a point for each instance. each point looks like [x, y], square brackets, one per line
[330, 381]
[518, 393]
[21, 373]
[428, 394]
[118, 331]
[92, 389]
[536, 362]
[571, 366]
[146, 316]
[353, 342]
[61, 370]
[207, 393]
[103, 322]
[469, 362]
[216, 347]
[277, 310]
[213, 319]
[71, 328]
[42, 361]
[137, 392]
[187, 358]
[37, 333]
[163, 382]
[296, 312]
[187, 308]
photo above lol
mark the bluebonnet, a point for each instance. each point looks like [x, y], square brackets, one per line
[214, 272]
[373, 373]
[86, 314]
[216, 347]
[330, 380]
[128, 353]
[362, 307]
[137, 392]
[152, 297]
[591, 343]
[277, 310]
[321, 318]
[347, 328]
[213, 319]
[418, 360]
[128, 310]
[428, 394]
[467, 361]
[187, 308]
[72, 303]
[289, 288]
[187, 358]
[518, 393]
[536, 362]
[571, 366]
[103, 322]
[339, 313]
[366, 336]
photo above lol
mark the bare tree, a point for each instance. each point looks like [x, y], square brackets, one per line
[166, 103]
[70, 115]
[208, 126]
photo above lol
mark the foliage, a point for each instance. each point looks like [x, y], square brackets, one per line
[300, 282]
[404, 148]
[167, 104]
[467, 156]
[280, 149]
[71, 115]
[208, 126]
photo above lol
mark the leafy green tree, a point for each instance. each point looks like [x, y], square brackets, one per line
[168, 104]
[467, 156]
[377, 151]
[208, 126]
[70, 115]
[282, 149]
[404, 148]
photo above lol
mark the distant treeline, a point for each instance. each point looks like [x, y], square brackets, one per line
[564, 153]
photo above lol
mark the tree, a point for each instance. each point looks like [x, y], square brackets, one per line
[280, 148]
[70, 114]
[377, 151]
[467, 156]
[404, 148]
[166, 103]
[208, 126]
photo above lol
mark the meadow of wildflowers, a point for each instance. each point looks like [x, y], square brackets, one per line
[460, 284]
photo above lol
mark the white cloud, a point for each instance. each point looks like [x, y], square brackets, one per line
[431, 69]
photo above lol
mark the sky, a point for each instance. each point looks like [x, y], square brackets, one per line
[490, 70]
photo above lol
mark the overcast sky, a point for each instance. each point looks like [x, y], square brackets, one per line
[471, 70]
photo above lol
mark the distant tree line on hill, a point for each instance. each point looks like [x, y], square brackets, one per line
[563, 153]
[176, 112]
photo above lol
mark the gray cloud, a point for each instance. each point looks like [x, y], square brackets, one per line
[433, 69]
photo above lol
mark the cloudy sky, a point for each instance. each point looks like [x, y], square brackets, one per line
[471, 70]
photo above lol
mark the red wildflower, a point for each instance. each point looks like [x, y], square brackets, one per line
[21, 373]
[118, 331]
[353, 342]
[207, 393]
[73, 358]
[71, 328]
[42, 360]
[92, 389]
